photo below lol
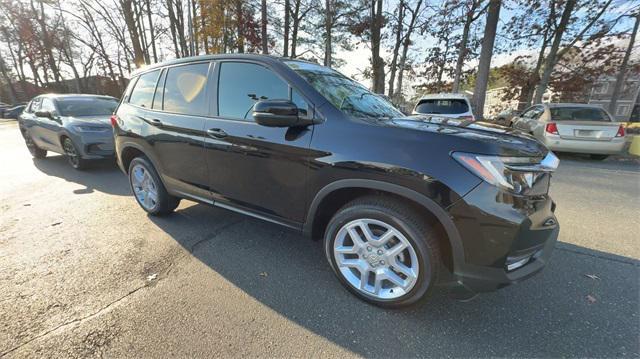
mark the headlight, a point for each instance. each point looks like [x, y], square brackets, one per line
[85, 128]
[518, 175]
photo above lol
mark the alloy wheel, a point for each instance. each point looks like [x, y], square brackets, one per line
[71, 153]
[376, 259]
[144, 187]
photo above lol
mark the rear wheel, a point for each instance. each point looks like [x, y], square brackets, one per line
[383, 251]
[599, 157]
[35, 151]
[148, 190]
[73, 155]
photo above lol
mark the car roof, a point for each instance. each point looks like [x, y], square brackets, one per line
[569, 104]
[444, 96]
[56, 96]
[184, 60]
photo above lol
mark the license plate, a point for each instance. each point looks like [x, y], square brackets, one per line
[585, 133]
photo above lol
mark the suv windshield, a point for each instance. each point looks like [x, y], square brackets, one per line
[344, 93]
[89, 106]
[578, 114]
[442, 106]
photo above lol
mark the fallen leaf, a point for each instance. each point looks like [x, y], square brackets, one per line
[55, 224]
[152, 276]
[591, 299]
[592, 276]
[27, 204]
[264, 274]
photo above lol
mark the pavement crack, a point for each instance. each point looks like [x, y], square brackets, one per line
[74, 321]
[215, 234]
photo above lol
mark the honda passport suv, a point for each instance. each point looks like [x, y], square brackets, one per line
[402, 204]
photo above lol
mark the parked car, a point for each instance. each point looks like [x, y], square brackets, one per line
[573, 127]
[13, 112]
[505, 117]
[3, 106]
[77, 126]
[401, 203]
[448, 105]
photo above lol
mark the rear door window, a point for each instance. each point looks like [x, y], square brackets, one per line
[579, 114]
[241, 85]
[184, 89]
[144, 89]
[443, 106]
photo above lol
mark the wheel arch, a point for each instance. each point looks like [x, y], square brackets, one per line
[331, 197]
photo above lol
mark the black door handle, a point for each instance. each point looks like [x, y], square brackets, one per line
[216, 132]
[155, 122]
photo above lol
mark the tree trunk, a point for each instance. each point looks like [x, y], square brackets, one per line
[47, 43]
[194, 29]
[377, 63]
[239, 26]
[152, 32]
[205, 37]
[405, 47]
[328, 27]
[482, 79]
[623, 68]
[130, 21]
[287, 8]
[396, 48]
[551, 57]
[296, 24]
[263, 27]
[462, 47]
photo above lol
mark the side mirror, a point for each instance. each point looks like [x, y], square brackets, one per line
[276, 113]
[46, 114]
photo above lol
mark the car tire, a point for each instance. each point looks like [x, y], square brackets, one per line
[148, 189]
[381, 215]
[35, 151]
[599, 157]
[73, 155]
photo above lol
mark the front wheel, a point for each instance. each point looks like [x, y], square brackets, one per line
[35, 151]
[382, 251]
[148, 190]
[73, 155]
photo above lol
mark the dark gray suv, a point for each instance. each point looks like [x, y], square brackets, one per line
[77, 126]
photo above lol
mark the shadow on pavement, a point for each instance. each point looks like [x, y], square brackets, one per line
[102, 176]
[560, 312]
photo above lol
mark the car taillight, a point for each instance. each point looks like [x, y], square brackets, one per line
[114, 120]
[620, 132]
[466, 118]
[551, 128]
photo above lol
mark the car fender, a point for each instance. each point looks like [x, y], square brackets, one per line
[429, 204]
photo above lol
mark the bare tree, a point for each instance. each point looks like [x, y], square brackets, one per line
[263, 27]
[377, 63]
[472, 12]
[406, 43]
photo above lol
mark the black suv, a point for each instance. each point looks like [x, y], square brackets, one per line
[402, 203]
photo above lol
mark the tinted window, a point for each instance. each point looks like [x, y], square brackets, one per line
[242, 84]
[87, 106]
[157, 97]
[443, 106]
[184, 89]
[301, 103]
[579, 114]
[142, 94]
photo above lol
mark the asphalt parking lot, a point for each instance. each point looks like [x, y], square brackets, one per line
[84, 272]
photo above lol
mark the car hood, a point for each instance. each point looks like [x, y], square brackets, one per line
[498, 140]
[90, 120]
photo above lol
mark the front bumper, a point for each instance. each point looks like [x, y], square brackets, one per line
[94, 145]
[505, 238]
[558, 144]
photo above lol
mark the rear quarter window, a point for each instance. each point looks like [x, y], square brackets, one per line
[142, 94]
[442, 106]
